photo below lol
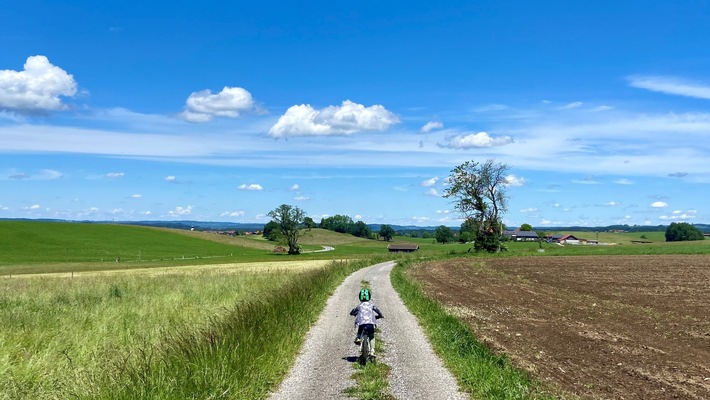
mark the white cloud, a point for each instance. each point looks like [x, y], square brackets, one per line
[136, 196]
[443, 211]
[231, 102]
[115, 174]
[170, 178]
[430, 182]
[34, 207]
[602, 108]
[295, 187]
[512, 180]
[572, 105]
[529, 210]
[300, 198]
[180, 211]
[252, 187]
[678, 215]
[612, 204]
[477, 140]
[349, 118]
[659, 204]
[670, 85]
[358, 217]
[623, 181]
[430, 126]
[491, 107]
[232, 214]
[432, 192]
[37, 88]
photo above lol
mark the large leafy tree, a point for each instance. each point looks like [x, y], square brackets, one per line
[682, 231]
[479, 191]
[444, 234]
[289, 220]
[386, 233]
[337, 223]
[526, 227]
[360, 229]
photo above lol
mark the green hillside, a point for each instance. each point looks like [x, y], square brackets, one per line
[32, 243]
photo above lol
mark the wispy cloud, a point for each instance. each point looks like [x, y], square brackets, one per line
[670, 85]
[430, 126]
[572, 105]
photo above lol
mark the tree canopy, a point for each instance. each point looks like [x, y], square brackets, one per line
[526, 227]
[683, 231]
[289, 220]
[443, 234]
[479, 191]
[386, 233]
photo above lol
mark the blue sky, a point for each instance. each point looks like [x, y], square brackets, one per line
[221, 111]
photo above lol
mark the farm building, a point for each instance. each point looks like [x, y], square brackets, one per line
[407, 248]
[521, 236]
[564, 239]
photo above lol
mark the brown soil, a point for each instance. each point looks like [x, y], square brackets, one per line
[599, 327]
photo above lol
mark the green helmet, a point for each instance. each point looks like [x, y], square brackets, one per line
[365, 295]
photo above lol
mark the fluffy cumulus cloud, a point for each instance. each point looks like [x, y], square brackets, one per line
[476, 140]
[659, 204]
[231, 102]
[180, 211]
[349, 118]
[252, 187]
[512, 180]
[430, 182]
[37, 88]
[678, 215]
[430, 126]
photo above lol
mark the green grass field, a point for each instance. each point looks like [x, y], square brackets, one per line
[168, 319]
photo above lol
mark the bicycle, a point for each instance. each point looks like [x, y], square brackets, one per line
[366, 355]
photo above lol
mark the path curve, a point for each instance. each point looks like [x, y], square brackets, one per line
[324, 366]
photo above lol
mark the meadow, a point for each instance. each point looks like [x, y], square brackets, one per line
[167, 319]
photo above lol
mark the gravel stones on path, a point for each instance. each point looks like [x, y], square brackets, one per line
[324, 367]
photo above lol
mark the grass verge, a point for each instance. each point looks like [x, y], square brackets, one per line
[479, 371]
[371, 381]
[242, 355]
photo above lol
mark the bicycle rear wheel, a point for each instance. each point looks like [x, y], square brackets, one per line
[365, 350]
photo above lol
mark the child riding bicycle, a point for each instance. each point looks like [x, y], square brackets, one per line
[365, 316]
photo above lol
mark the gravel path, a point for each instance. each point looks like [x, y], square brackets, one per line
[325, 365]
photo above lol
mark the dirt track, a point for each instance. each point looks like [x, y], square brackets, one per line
[612, 327]
[325, 366]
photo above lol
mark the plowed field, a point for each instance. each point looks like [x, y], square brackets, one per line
[609, 327]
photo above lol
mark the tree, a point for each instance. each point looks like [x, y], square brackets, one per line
[682, 231]
[526, 227]
[289, 220]
[337, 223]
[443, 234]
[360, 229]
[309, 223]
[479, 191]
[386, 233]
[272, 232]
